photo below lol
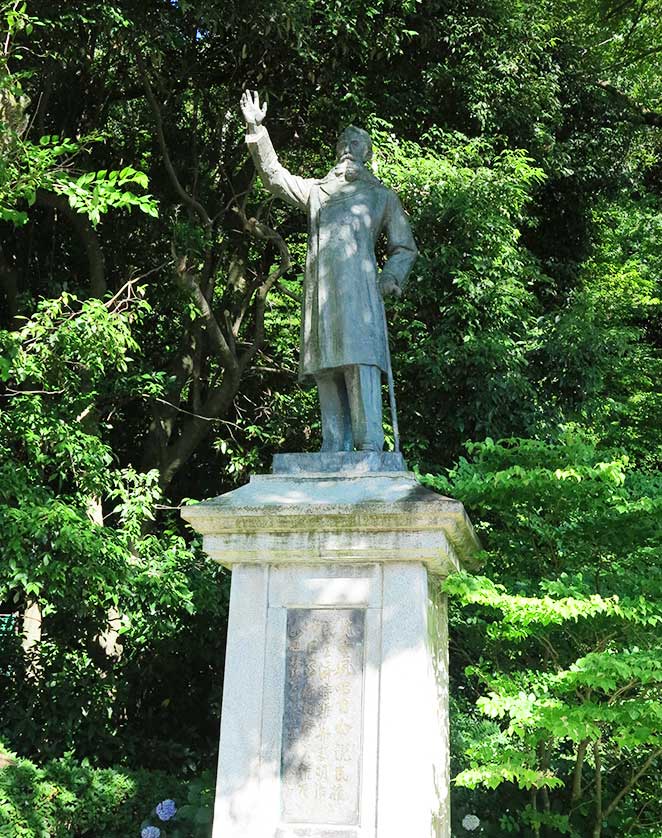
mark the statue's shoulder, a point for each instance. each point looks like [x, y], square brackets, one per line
[389, 193]
[376, 185]
[375, 181]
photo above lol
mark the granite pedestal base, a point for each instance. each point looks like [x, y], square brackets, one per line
[335, 701]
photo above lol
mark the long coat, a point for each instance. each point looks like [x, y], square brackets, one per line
[342, 319]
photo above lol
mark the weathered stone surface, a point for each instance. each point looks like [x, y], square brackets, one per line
[339, 462]
[315, 832]
[414, 786]
[323, 716]
[308, 553]
[239, 791]
[381, 516]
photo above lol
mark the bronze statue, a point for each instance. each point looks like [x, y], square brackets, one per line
[344, 345]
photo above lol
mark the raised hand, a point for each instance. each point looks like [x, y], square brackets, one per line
[250, 107]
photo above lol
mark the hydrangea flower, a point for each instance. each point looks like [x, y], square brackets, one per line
[166, 809]
[150, 832]
[470, 822]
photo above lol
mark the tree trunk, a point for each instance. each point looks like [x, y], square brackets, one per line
[578, 772]
[108, 640]
[95, 258]
[597, 826]
[32, 623]
[9, 284]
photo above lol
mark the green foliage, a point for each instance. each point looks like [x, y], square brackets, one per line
[94, 193]
[570, 662]
[57, 472]
[471, 313]
[49, 163]
[67, 799]
[523, 139]
[193, 818]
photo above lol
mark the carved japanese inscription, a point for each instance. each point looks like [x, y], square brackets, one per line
[323, 716]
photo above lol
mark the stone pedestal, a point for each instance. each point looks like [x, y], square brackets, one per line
[335, 701]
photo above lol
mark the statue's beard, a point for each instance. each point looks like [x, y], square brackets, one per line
[349, 168]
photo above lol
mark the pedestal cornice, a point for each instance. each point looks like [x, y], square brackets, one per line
[336, 517]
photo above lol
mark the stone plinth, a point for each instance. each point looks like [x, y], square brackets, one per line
[339, 462]
[335, 702]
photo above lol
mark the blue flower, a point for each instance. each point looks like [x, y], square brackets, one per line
[150, 832]
[166, 809]
[470, 822]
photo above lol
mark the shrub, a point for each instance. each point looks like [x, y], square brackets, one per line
[67, 799]
[193, 819]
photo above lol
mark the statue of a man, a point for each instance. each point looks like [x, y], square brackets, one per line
[343, 328]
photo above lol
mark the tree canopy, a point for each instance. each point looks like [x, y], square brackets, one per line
[149, 321]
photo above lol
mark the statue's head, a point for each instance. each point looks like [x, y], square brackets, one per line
[354, 144]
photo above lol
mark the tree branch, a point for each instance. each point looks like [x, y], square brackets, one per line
[126, 293]
[263, 232]
[644, 116]
[220, 398]
[638, 57]
[86, 233]
[188, 199]
[169, 457]
[216, 336]
[627, 788]
[164, 412]
[198, 427]
[577, 773]
[618, 8]
[637, 20]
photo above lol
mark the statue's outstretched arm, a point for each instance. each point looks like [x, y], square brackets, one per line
[276, 178]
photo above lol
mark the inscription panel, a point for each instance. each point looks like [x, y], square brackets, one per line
[323, 715]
